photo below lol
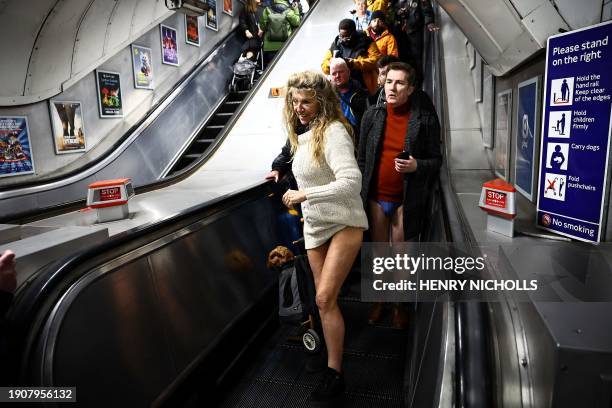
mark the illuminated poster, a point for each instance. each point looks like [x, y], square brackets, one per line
[15, 148]
[110, 101]
[142, 66]
[526, 125]
[169, 45]
[211, 16]
[67, 126]
[503, 110]
[192, 30]
[228, 7]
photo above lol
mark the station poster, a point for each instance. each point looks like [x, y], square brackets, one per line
[228, 7]
[15, 147]
[503, 110]
[110, 101]
[168, 45]
[211, 15]
[67, 126]
[575, 141]
[142, 67]
[192, 30]
[526, 125]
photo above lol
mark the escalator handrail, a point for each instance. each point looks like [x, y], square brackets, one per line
[32, 300]
[472, 389]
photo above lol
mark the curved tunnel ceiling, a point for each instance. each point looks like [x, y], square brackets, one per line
[50, 44]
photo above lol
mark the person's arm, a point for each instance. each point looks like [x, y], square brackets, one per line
[242, 21]
[293, 17]
[340, 157]
[433, 155]
[325, 63]
[282, 163]
[366, 62]
[428, 15]
[8, 280]
[392, 46]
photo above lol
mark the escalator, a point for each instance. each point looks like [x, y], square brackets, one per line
[203, 142]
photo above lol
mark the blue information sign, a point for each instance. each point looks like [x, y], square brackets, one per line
[575, 139]
[525, 139]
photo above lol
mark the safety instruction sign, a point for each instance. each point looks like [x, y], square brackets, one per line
[575, 141]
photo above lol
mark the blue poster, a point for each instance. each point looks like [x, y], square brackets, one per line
[525, 138]
[575, 140]
[15, 148]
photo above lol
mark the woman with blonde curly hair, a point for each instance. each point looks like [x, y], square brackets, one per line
[329, 183]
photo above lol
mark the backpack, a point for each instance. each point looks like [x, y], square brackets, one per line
[278, 28]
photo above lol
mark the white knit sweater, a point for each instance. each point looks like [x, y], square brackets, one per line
[332, 187]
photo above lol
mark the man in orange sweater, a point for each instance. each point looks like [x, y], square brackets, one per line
[379, 32]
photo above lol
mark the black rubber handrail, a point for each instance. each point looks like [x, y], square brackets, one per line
[37, 296]
[472, 390]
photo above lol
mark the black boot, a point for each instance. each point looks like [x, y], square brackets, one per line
[330, 388]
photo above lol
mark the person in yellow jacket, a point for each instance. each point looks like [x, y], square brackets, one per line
[378, 5]
[379, 32]
[358, 50]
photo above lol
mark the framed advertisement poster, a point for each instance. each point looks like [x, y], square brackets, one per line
[143, 67]
[503, 110]
[169, 45]
[489, 108]
[192, 30]
[211, 15]
[110, 101]
[67, 126]
[526, 125]
[15, 148]
[228, 7]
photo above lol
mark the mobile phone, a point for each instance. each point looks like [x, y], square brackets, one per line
[403, 155]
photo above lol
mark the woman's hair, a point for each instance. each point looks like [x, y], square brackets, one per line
[251, 6]
[328, 109]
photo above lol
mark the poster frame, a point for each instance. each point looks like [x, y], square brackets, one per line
[213, 9]
[499, 137]
[53, 123]
[102, 115]
[536, 126]
[134, 71]
[31, 151]
[187, 40]
[231, 11]
[161, 43]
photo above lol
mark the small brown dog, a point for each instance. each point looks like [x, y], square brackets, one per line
[279, 257]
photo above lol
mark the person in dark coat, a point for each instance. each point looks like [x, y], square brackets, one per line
[411, 19]
[422, 141]
[248, 22]
[399, 157]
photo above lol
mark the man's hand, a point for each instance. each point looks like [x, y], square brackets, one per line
[273, 175]
[292, 197]
[406, 166]
[432, 27]
[8, 274]
[248, 34]
[260, 33]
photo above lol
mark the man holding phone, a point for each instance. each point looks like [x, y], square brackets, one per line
[399, 157]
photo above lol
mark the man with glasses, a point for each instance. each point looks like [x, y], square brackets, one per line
[358, 50]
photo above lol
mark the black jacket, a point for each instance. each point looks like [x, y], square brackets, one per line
[423, 143]
[358, 47]
[412, 15]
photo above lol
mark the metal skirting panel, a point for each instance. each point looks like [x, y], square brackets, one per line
[134, 324]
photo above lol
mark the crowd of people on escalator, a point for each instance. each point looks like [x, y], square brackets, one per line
[364, 149]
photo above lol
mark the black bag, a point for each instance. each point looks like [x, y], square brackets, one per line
[289, 302]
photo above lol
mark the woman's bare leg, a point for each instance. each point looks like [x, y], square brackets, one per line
[332, 263]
